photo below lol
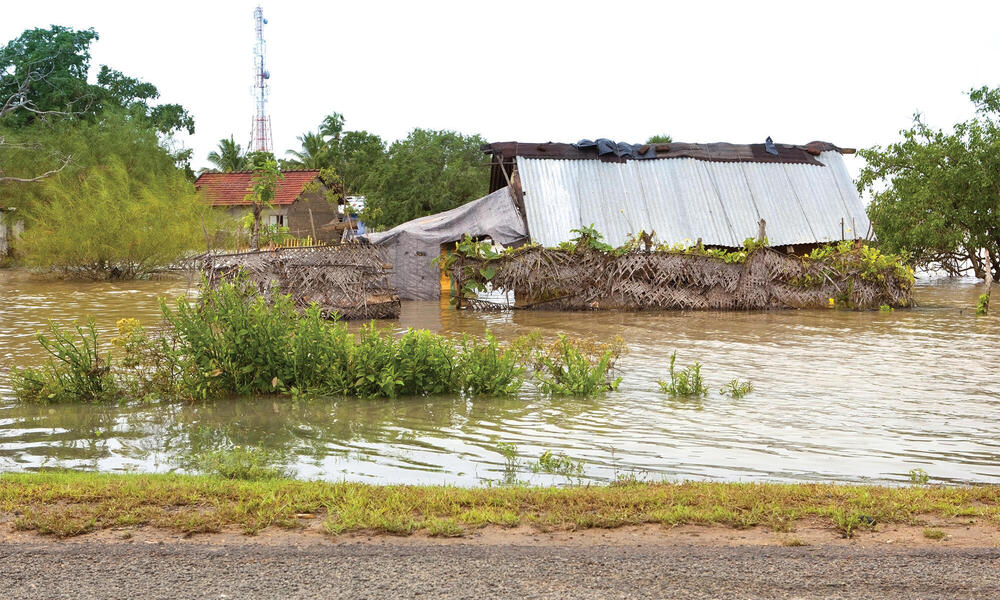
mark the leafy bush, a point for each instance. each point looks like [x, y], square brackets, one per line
[235, 339]
[983, 305]
[565, 370]
[108, 223]
[687, 383]
[488, 369]
[74, 371]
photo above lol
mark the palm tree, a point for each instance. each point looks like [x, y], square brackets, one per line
[229, 157]
[315, 152]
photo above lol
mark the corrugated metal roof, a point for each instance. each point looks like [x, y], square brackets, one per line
[684, 199]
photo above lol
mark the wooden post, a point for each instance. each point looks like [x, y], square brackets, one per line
[842, 229]
[208, 244]
[312, 224]
[762, 231]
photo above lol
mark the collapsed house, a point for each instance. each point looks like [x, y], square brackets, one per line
[717, 195]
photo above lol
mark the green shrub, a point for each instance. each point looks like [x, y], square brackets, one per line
[488, 369]
[74, 371]
[235, 339]
[426, 364]
[687, 383]
[565, 370]
[238, 341]
[983, 305]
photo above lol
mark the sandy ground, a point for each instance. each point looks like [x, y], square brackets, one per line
[959, 533]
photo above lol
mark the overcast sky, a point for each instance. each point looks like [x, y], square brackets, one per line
[851, 73]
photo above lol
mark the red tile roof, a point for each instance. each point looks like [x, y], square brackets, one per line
[229, 189]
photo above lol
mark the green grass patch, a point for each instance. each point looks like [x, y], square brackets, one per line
[71, 503]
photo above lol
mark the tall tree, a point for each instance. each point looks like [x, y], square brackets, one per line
[45, 71]
[936, 194]
[108, 223]
[428, 172]
[315, 153]
[229, 156]
[263, 187]
[44, 78]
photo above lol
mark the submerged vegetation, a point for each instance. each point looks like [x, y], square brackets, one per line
[566, 369]
[235, 340]
[737, 388]
[686, 383]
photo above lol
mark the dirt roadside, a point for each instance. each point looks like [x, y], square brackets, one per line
[958, 533]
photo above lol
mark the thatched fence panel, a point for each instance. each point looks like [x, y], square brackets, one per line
[349, 280]
[582, 279]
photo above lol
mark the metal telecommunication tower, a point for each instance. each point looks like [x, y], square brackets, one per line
[260, 134]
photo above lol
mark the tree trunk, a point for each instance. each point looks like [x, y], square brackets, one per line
[255, 235]
[989, 278]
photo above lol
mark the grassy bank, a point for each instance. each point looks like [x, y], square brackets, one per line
[72, 503]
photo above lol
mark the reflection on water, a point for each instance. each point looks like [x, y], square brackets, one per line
[838, 396]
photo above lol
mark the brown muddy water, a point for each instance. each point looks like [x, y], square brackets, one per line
[841, 396]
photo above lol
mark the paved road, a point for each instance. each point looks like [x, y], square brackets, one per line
[174, 571]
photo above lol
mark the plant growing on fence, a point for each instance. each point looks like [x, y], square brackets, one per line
[686, 383]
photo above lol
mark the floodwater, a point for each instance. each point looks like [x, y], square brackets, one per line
[840, 396]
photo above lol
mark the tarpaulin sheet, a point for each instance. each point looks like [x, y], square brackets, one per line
[413, 245]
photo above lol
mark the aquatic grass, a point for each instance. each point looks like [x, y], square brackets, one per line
[686, 383]
[249, 463]
[558, 464]
[71, 503]
[737, 388]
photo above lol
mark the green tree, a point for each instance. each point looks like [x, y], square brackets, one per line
[936, 194]
[315, 153]
[44, 84]
[263, 186]
[660, 138]
[428, 172]
[229, 156]
[106, 224]
[44, 71]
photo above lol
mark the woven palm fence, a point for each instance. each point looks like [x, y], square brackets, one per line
[762, 279]
[348, 280]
